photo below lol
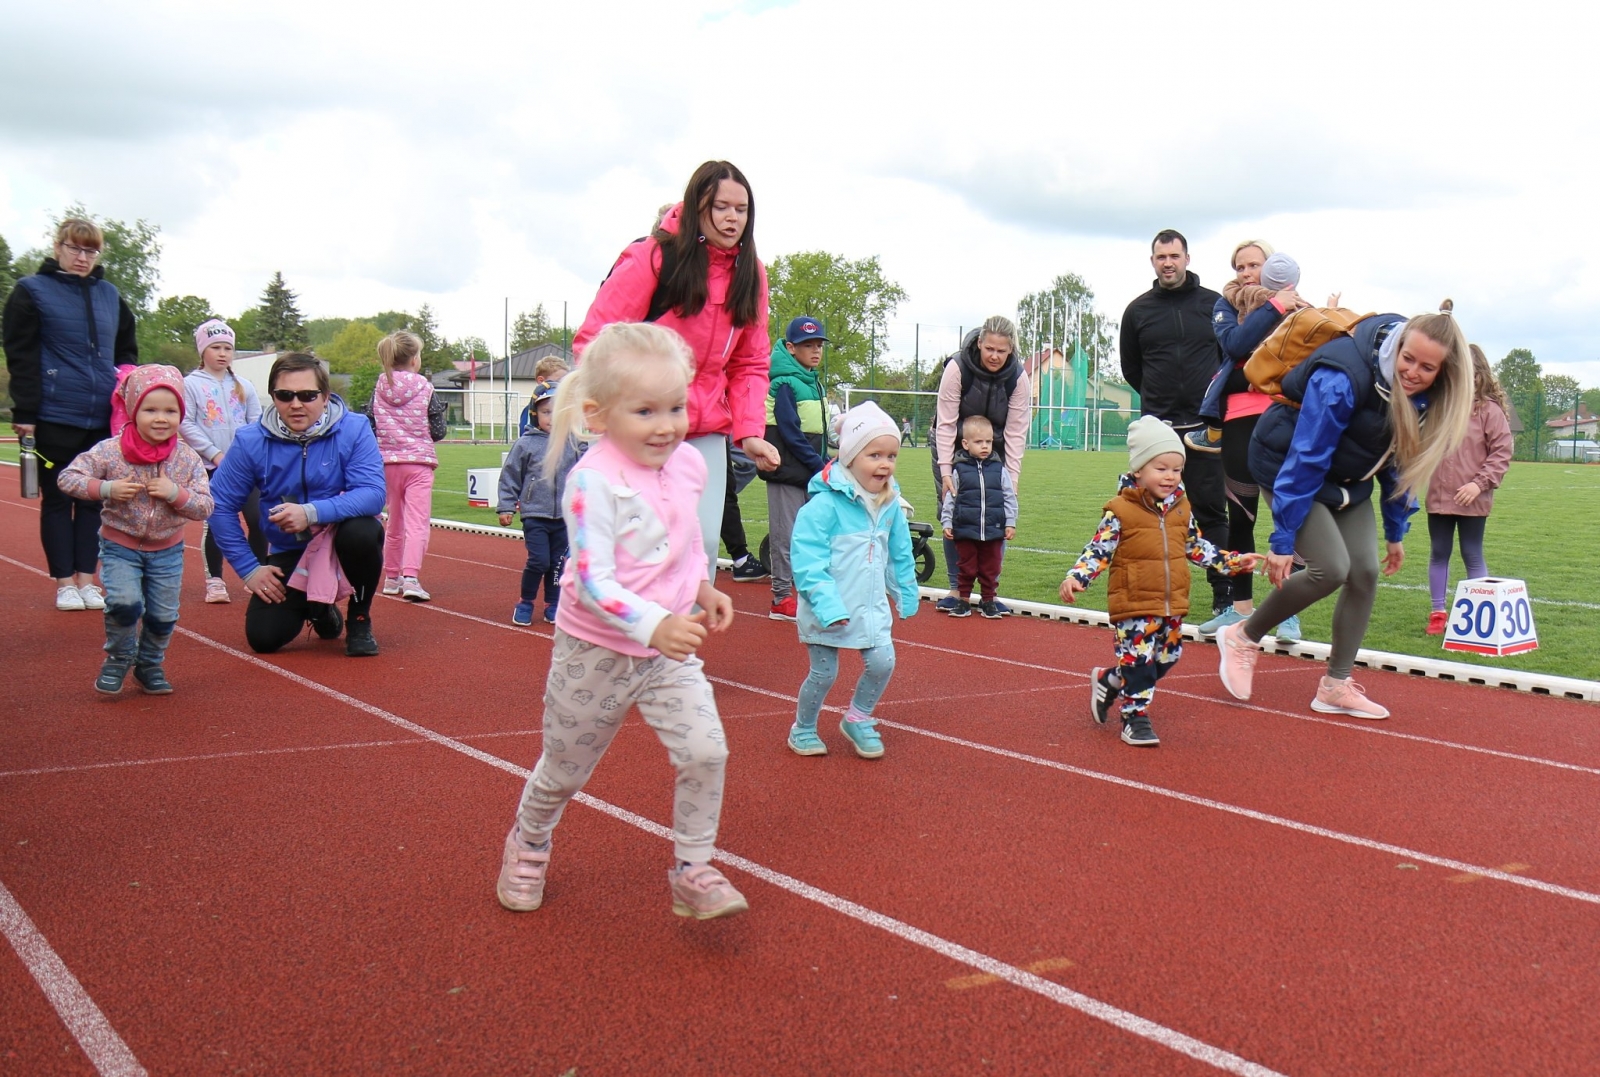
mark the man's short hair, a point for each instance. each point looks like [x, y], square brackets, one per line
[973, 425]
[1167, 235]
[288, 364]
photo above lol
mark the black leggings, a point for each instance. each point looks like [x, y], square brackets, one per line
[252, 521]
[1244, 496]
[358, 544]
[1442, 529]
[69, 529]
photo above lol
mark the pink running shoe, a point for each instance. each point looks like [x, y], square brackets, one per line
[1238, 668]
[217, 590]
[701, 891]
[1346, 697]
[522, 872]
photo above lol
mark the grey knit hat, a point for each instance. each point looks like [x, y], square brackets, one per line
[1148, 438]
[1280, 271]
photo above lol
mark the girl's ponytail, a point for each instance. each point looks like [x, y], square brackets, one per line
[398, 347]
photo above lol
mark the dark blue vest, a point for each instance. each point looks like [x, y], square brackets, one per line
[1366, 442]
[78, 320]
[980, 508]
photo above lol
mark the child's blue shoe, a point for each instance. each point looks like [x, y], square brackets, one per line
[1227, 616]
[1289, 630]
[863, 734]
[948, 602]
[803, 740]
[522, 613]
[550, 614]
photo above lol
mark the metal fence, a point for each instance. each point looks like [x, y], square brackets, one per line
[1546, 429]
[1092, 429]
[480, 415]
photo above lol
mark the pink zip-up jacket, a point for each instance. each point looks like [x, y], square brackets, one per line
[729, 391]
[400, 407]
[1483, 458]
[145, 522]
[635, 553]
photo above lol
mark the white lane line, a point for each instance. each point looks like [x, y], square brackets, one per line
[1092, 1007]
[104, 1048]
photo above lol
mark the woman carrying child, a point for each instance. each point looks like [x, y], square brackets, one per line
[408, 419]
[151, 484]
[628, 629]
[851, 551]
[217, 404]
[1146, 537]
[1461, 492]
[1354, 412]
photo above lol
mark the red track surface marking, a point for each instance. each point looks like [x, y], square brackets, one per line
[100, 1042]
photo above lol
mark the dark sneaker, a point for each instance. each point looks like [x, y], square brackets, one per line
[962, 608]
[990, 610]
[153, 680]
[550, 614]
[329, 624]
[1005, 610]
[1101, 695]
[1137, 732]
[947, 603]
[358, 642]
[1208, 439]
[112, 673]
[748, 568]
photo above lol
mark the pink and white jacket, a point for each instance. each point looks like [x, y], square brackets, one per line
[145, 522]
[400, 413]
[729, 392]
[635, 553]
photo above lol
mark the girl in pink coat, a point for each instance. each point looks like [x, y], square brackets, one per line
[1461, 492]
[698, 275]
[407, 421]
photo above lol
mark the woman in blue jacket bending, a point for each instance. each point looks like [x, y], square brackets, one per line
[1355, 413]
[317, 466]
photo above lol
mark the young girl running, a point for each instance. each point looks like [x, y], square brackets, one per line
[852, 549]
[625, 630]
[408, 419]
[152, 484]
[1461, 492]
[217, 403]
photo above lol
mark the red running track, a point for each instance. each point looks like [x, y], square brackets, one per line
[288, 865]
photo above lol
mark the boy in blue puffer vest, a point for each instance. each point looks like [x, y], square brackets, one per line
[979, 516]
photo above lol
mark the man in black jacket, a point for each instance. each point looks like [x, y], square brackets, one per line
[1169, 353]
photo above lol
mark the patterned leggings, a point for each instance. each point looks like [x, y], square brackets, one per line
[1147, 648]
[586, 697]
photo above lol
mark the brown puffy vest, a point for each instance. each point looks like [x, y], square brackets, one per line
[1150, 570]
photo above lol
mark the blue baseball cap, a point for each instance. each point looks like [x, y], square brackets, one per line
[804, 328]
[543, 390]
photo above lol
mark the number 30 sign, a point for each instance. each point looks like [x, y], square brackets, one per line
[1491, 616]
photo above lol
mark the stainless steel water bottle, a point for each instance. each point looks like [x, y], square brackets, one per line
[30, 468]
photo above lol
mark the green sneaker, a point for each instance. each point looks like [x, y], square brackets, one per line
[863, 735]
[803, 740]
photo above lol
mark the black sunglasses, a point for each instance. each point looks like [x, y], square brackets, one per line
[305, 396]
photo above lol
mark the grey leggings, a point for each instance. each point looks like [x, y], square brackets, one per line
[878, 667]
[1340, 550]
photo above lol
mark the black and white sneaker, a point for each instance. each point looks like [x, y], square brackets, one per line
[1137, 732]
[1101, 695]
[748, 569]
[962, 608]
[990, 610]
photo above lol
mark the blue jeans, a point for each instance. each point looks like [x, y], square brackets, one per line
[546, 540]
[878, 663]
[141, 585]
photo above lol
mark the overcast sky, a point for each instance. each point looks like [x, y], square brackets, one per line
[383, 156]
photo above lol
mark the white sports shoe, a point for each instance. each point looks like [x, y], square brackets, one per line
[68, 597]
[93, 597]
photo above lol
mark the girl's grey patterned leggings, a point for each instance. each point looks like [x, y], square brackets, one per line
[586, 696]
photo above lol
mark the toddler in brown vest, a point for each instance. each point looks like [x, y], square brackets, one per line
[1146, 537]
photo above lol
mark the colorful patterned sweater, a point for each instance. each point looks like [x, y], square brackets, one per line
[144, 523]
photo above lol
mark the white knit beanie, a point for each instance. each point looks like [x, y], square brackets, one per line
[1148, 438]
[860, 425]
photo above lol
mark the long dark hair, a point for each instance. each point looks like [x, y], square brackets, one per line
[683, 255]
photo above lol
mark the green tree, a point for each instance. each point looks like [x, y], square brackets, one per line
[1591, 401]
[1518, 373]
[281, 321]
[8, 271]
[355, 346]
[321, 331]
[531, 329]
[437, 354]
[1561, 393]
[166, 334]
[1064, 315]
[852, 299]
[247, 330]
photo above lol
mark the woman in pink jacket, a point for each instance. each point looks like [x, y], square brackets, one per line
[698, 275]
[1461, 492]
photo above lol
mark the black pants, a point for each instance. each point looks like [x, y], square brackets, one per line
[69, 529]
[733, 523]
[358, 543]
[1208, 500]
[1244, 496]
[252, 522]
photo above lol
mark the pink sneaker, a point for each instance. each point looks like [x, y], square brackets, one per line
[522, 872]
[1238, 667]
[701, 891]
[217, 590]
[1346, 697]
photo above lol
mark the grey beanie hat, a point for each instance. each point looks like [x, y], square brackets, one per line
[1148, 438]
[1280, 271]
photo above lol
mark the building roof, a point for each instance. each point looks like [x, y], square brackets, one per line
[1578, 416]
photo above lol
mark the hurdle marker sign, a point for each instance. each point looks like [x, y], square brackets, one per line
[1491, 616]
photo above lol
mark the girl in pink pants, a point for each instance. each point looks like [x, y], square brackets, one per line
[407, 419]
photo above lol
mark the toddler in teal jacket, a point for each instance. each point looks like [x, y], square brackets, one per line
[851, 551]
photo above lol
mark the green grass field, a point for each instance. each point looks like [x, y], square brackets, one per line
[1063, 492]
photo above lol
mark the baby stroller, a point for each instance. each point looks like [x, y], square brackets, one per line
[921, 551]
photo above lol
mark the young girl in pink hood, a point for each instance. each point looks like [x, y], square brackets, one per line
[151, 484]
[407, 420]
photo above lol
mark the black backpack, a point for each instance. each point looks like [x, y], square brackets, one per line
[658, 304]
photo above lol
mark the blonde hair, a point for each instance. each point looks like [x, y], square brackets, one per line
[1000, 326]
[619, 356]
[974, 425]
[1265, 247]
[398, 347]
[1419, 446]
[1485, 386]
[82, 232]
[550, 368]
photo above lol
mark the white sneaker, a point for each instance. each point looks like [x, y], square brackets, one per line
[70, 598]
[391, 586]
[93, 597]
[412, 591]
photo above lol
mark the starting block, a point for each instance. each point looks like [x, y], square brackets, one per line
[1491, 616]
